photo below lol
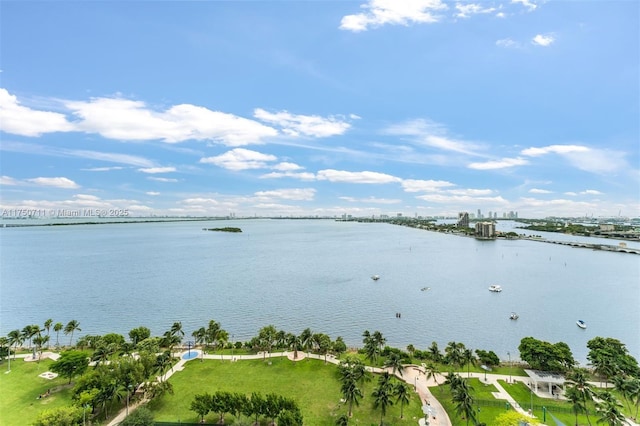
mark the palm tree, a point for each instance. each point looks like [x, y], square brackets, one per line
[382, 394]
[15, 339]
[379, 340]
[432, 371]
[462, 398]
[469, 359]
[199, 335]
[577, 378]
[39, 341]
[177, 331]
[626, 386]
[634, 395]
[403, 396]
[411, 349]
[394, 361]
[306, 339]
[609, 410]
[434, 352]
[352, 372]
[575, 398]
[29, 331]
[211, 335]
[57, 327]
[70, 328]
[454, 353]
[294, 343]
[47, 326]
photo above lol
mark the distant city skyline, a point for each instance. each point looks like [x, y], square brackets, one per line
[373, 108]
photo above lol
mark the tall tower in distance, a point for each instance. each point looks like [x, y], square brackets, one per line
[463, 220]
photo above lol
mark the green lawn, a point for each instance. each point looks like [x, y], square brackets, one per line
[481, 393]
[19, 390]
[311, 383]
[561, 409]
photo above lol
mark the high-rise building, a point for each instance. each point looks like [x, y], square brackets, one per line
[463, 220]
[485, 230]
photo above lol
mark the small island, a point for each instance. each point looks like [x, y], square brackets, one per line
[226, 229]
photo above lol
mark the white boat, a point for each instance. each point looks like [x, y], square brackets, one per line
[514, 316]
[375, 277]
[581, 324]
[495, 288]
[425, 289]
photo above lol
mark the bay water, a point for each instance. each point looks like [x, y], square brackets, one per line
[296, 274]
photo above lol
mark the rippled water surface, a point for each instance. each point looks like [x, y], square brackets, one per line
[316, 273]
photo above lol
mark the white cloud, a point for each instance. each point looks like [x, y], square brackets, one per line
[300, 194]
[471, 192]
[154, 170]
[530, 5]
[241, 159]
[543, 40]
[498, 164]
[290, 174]
[161, 179]
[356, 177]
[461, 199]
[555, 149]
[571, 193]
[591, 192]
[416, 185]
[466, 10]
[597, 161]
[507, 43]
[287, 167]
[429, 133]
[559, 207]
[57, 182]
[540, 191]
[381, 12]
[102, 169]
[123, 119]
[20, 120]
[371, 200]
[8, 181]
[306, 125]
[152, 193]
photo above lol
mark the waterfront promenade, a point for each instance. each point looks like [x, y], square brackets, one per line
[414, 375]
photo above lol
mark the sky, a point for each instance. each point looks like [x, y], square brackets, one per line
[320, 108]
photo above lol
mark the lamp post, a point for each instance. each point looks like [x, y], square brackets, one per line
[233, 344]
[189, 345]
[509, 353]
[531, 397]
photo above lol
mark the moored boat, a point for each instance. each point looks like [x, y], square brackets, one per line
[495, 288]
[514, 316]
[375, 277]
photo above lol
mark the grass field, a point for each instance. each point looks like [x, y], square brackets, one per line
[311, 383]
[19, 390]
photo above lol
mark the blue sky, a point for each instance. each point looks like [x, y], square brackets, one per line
[273, 108]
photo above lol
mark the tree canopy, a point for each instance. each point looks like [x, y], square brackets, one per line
[546, 356]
